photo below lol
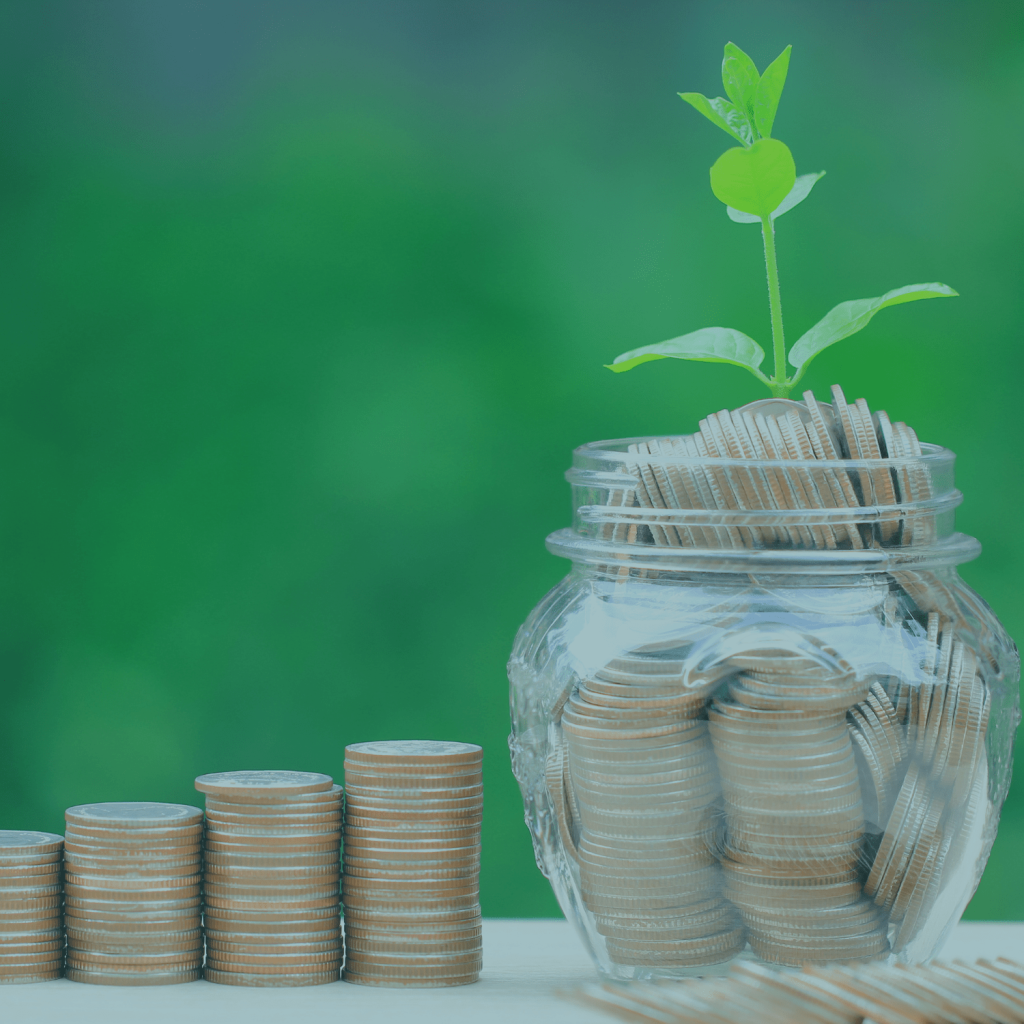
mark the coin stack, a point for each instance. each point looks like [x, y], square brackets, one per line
[412, 862]
[132, 878]
[31, 907]
[646, 788]
[793, 809]
[270, 887]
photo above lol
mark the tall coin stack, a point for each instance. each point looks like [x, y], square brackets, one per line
[132, 876]
[271, 867]
[31, 907]
[793, 809]
[647, 793]
[412, 863]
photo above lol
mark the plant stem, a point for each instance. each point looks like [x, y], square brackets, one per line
[779, 384]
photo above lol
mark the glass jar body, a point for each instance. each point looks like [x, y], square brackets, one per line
[787, 765]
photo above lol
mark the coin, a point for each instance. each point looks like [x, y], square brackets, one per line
[272, 783]
[96, 977]
[413, 752]
[266, 980]
[17, 845]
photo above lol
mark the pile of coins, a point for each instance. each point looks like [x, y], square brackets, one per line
[986, 990]
[271, 878]
[794, 814]
[781, 431]
[942, 791]
[132, 880]
[412, 859]
[645, 786]
[31, 907]
[844, 803]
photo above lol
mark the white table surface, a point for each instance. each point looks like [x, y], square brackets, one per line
[525, 963]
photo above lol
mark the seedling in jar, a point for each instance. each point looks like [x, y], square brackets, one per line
[758, 183]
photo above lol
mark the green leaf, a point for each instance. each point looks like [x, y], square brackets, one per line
[722, 113]
[709, 345]
[850, 317]
[797, 194]
[740, 78]
[769, 92]
[754, 180]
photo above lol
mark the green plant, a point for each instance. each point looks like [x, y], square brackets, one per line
[758, 183]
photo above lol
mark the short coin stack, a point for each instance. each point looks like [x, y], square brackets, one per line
[646, 789]
[412, 861]
[31, 907]
[270, 887]
[132, 877]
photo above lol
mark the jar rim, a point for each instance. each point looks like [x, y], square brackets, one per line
[954, 549]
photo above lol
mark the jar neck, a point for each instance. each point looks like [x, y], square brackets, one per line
[641, 505]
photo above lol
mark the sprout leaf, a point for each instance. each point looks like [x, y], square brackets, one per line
[769, 92]
[754, 180]
[722, 113]
[709, 345]
[850, 317]
[740, 78]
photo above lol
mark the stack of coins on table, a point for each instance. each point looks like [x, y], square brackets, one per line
[793, 811]
[646, 791]
[31, 907]
[412, 861]
[132, 879]
[270, 889]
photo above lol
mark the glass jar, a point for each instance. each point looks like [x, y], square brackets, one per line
[761, 729]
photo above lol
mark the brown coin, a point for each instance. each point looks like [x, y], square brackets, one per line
[274, 783]
[96, 977]
[395, 982]
[284, 903]
[17, 844]
[223, 928]
[16, 973]
[34, 975]
[270, 915]
[272, 963]
[290, 945]
[428, 753]
[265, 801]
[421, 839]
[29, 874]
[308, 965]
[12, 938]
[30, 905]
[229, 821]
[269, 893]
[270, 981]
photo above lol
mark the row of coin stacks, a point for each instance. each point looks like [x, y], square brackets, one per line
[412, 863]
[131, 882]
[271, 878]
[148, 891]
[31, 907]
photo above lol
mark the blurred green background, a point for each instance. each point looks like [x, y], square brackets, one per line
[303, 307]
